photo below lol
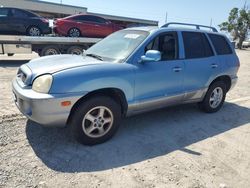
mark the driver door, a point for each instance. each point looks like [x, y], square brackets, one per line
[158, 84]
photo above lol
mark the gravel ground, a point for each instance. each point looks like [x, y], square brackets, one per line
[173, 147]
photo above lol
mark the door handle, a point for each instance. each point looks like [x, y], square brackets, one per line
[177, 69]
[213, 66]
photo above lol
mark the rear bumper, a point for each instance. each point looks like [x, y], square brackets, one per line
[44, 109]
[233, 82]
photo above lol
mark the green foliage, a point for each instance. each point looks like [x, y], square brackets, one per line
[238, 24]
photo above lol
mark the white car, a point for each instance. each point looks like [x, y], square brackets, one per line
[246, 44]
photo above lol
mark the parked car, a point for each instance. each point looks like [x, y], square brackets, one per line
[85, 26]
[246, 44]
[129, 72]
[21, 22]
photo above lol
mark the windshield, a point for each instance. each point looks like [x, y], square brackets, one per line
[117, 46]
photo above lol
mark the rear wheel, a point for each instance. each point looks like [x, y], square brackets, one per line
[214, 97]
[96, 120]
[34, 31]
[74, 32]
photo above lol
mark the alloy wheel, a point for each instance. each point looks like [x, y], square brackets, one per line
[97, 122]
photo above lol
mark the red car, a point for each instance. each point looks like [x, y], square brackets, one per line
[83, 25]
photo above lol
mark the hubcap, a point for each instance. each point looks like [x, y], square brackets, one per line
[74, 33]
[51, 51]
[216, 97]
[97, 122]
[76, 52]
[34, 31]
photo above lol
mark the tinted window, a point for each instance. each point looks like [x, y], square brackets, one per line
[100, 20]
[3, 12]
[19, 13]
[76, 18]
[220, 44]
[166, 44]
[196, 45]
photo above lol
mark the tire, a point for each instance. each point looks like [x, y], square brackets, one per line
[34, 31]
[74, 32]
[213, 102]
[49, 50]
[77, 50]
[88, 122]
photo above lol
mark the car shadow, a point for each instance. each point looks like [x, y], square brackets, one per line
[139, 138]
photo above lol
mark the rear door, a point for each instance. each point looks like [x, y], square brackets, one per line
[94, 26]
[201, 65]
[4, 20]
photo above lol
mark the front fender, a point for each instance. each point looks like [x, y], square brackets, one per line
[90, 78]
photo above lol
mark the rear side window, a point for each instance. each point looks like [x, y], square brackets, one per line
[220, 44]
[196, 45]
[3, 12]
[19, 13]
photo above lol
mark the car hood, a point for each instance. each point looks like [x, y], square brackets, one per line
[55, 63]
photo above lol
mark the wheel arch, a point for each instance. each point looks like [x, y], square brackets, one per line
[224, 78]
[114, 93]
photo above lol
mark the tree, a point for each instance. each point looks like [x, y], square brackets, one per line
[238, 24]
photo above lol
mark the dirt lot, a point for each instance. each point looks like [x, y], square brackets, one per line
[175, 147]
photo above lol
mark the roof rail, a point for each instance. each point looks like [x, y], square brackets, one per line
[187, 24]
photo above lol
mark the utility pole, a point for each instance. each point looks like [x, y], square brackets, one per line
[211, 22]
[166, 18]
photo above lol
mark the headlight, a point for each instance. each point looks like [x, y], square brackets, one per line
[42, 83]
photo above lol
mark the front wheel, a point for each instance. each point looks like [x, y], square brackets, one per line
[214, 97]
[74, 32]
[96, 120]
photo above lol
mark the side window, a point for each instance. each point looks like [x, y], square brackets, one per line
[19, 14]
[86, 18]
[4, 12]
[98, 20]
[220, 44]
[167, 44]
[196, 45]
[77, 18]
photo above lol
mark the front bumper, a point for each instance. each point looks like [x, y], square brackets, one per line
[44, 109]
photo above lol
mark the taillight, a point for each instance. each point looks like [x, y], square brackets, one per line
[58, 22]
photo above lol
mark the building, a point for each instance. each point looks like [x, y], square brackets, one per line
[55, 10]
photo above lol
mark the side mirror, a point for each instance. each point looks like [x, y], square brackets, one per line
[151, 55]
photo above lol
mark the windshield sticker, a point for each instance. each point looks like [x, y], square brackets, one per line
[131, 36]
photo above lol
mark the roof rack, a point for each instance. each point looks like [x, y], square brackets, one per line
[187, 24]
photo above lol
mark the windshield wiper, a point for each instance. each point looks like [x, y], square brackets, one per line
[95, 56]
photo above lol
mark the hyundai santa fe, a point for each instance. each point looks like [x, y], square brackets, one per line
[131, 71]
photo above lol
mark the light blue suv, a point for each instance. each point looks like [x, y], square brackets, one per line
[129, 72]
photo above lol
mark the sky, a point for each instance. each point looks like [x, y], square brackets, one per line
[188, 11]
